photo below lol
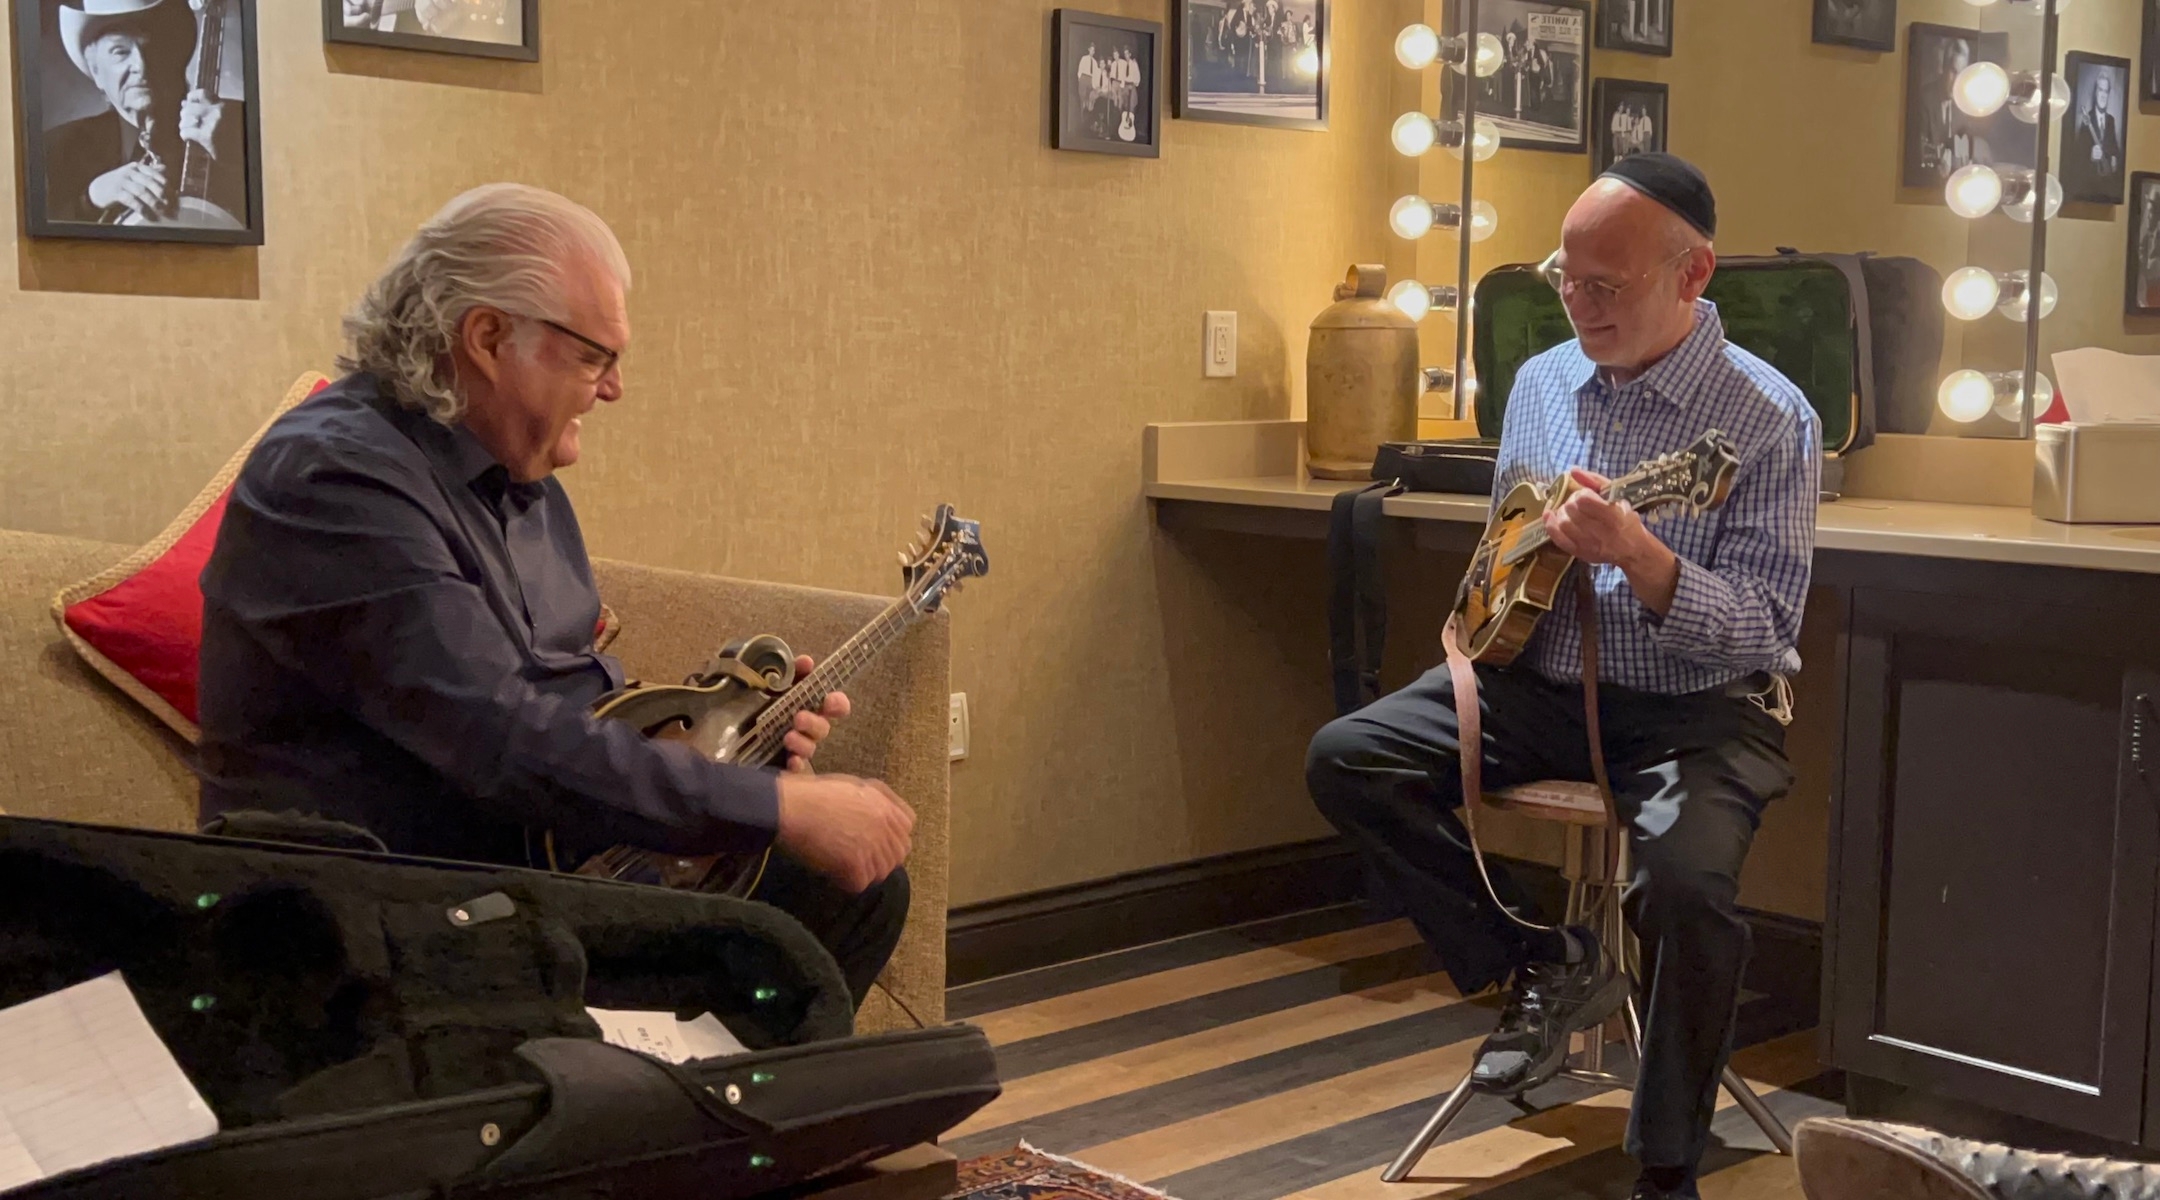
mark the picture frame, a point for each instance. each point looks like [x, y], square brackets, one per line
[1627, 116]
[110, 157]
[405, 25]
[1096, 105]
[1540, 97]
[1636, 26]
[1861, 24]
[2095, 131]
[1939, 137]
[2141, 259]
[1222, 75]
[2149, 56]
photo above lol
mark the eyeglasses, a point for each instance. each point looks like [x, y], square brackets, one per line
[608, 357]
[1596, 289]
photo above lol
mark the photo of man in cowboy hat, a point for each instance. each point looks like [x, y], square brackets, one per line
[123, 162]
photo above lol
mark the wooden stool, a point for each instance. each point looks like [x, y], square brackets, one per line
[1579, 806]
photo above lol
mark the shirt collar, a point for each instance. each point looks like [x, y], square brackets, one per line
[458, 458]
[1679, 374]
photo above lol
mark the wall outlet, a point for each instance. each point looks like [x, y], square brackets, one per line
[1218, 347]
[957, 727]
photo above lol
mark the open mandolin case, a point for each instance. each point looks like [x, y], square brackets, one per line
[369, 1026]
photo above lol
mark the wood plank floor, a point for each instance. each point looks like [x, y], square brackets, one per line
[1292, 1059]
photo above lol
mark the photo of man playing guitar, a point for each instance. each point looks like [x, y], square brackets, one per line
[1698, 627]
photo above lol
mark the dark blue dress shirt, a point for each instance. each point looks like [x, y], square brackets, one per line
[398, 636]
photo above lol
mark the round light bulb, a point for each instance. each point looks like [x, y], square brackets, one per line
[1970, 293]
[1491, 55]
[2025, 97]
[1412, 297]
[2020, 296]
[1414, 134]
[2013, 407]
[1484, 220]
[1965, 396]
[2020, 209]
[1981, 89]
[1412, 217]
[1973, 191]
[1417, 46]
[1483, 145]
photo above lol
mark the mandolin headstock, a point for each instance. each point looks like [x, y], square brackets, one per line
[1694, 480]
[946, 552]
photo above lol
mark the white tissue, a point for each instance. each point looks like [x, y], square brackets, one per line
[2104, 385]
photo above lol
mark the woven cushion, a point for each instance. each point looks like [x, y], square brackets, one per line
[139, 622]
[1555, 800]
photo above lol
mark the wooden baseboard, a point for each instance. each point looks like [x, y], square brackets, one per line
[1040, 929]
[1020, 933]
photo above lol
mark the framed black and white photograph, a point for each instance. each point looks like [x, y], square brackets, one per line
[1864, 24]
[1107, 84]
[2143, 297]
[486, 28]
[1637, 26]
[1539, 99]
[2093, 131]
[1941, 138]
[1627, 116]
[1254, 62]
[138, 120]
[2149, 62]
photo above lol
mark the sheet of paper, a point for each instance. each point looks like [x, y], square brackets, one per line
[662, 1036]
[2104, 385]
[84, 1078]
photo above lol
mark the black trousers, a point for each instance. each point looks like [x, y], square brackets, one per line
[1691, 775]
[860, 931]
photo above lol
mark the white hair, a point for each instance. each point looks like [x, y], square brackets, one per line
[502, 245]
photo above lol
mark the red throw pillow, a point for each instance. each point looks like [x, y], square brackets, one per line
[139, 622]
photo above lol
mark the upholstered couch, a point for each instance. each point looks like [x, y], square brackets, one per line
[73, 747]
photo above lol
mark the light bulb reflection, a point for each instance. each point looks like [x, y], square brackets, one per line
[1414, 134]
[2018, 197]
[2017, 294]
[2025, 97]
[2012, 407]
[1973, 191]
[1965, 396]
[1981, 89]
[1483, 145]
[1970, 293]
[1484, 220]
[1307, 61]
[1417, 46]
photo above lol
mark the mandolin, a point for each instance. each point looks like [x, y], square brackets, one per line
[742, 705]
[1516, 570]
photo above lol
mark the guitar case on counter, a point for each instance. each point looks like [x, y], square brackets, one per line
[368, 1026]
[1859, 334]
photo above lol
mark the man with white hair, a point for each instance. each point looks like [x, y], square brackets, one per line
[126, 158]
[1699, 626]
[398, 617]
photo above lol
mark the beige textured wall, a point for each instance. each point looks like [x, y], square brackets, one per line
[865, 286]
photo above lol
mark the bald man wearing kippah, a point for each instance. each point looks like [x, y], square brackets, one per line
[1698, 623]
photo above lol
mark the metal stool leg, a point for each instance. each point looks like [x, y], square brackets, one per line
[1772, 1128]
[1399, 1170]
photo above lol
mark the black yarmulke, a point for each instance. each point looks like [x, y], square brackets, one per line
[1673, 182]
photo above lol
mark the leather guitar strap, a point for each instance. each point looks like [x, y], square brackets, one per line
[1470, 738]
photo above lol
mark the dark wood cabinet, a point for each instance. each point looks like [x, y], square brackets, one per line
[1998, 829]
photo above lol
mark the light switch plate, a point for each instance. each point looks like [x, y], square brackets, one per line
[1218, 346]
[957, 727]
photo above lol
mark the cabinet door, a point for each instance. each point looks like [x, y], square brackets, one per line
[1994, 917]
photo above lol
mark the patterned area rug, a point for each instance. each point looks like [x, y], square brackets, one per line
[1026, 1173]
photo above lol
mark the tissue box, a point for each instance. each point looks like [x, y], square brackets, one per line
[2106, 473]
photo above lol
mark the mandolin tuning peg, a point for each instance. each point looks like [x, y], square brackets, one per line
[903, 558]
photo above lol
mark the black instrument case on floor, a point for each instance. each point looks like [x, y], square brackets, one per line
[368, 1026]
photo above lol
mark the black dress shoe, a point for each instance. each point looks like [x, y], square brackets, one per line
[1645, 1189]
[1547, 1002]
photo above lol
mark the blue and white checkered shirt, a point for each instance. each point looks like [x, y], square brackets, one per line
[1743, 566]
